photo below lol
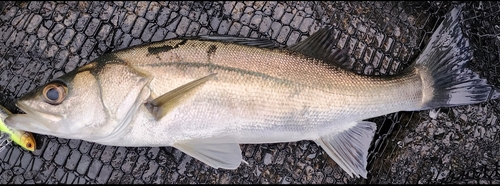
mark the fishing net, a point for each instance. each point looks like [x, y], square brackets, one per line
[40, 41]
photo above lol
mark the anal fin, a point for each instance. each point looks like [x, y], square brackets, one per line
[349, 149]
[217, 152]
[160, 106]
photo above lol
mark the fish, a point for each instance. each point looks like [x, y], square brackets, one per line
[19, 137]
[206, 95]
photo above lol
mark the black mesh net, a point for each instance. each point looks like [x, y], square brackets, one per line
[43, 40]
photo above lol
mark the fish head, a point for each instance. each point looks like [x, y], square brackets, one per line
[88, 103]
[68, 106]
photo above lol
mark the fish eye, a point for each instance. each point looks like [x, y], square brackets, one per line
[55, 92]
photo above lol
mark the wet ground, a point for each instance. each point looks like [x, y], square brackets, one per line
[40, 41]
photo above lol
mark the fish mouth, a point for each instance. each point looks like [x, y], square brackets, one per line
[39, 114]
[26, 123]
[33, 121]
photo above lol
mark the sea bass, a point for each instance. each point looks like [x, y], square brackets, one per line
[19, 137]
[206, 95]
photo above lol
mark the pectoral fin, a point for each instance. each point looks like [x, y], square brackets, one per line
[160, 106]
[217, 153]
[349, 149]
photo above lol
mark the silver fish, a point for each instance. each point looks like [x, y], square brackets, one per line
[206, 95]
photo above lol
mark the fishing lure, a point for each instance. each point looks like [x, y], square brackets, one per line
[9, 135]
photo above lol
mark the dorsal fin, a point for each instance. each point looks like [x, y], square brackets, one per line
[322, 45]
[258, 42]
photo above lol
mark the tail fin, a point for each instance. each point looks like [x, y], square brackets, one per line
[442, 66]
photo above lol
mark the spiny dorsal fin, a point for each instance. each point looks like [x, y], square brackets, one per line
[258, 42]
[160, 106]
[322, 45]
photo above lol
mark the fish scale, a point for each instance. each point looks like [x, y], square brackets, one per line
[297, 69]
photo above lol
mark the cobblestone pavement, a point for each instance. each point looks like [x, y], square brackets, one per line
[43, 40]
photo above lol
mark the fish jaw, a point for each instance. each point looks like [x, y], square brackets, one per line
[37, 121]
[32, 123]
[26, 123]
[38, 117]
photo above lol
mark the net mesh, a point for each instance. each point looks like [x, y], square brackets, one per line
[43, 40]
